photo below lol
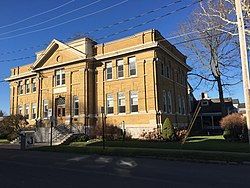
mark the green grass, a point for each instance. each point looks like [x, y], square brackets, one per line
[207, 143]
[198, 147]
[4, 141]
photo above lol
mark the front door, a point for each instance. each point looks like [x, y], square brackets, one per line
[60, 110]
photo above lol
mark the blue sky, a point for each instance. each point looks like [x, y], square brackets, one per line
[27, 26]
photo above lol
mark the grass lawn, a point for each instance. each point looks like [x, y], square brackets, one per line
[207, 143]
[197, 147]
[4, 141]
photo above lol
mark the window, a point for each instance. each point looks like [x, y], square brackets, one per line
[20, 88]
[132, 66]
[60, 77]
[168, 71]
[133, 101]
[20, 110]
[33, 85]
[170, 110]
[109, 70]
[27, 111]
[76, 106]
[180, 104]
[120, 64]
[33, 110]
[183, 106]
[121, 102]
[45, 109]
[164, 102]
[110, 104]
[27, 86]
[162, 68]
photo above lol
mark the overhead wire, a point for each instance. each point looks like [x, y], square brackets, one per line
[36, 15]
[65, 22]
[48, 20]
[100, 28]
[27, 57]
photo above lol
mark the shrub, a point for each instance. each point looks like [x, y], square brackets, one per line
[234, 126]
[81, 138]
[12, 125]
[168, 132]
[152, 135]
[112, 132]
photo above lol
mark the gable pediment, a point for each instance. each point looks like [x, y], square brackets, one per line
[56, 54]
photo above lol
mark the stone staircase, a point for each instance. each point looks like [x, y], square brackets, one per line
[60, 134]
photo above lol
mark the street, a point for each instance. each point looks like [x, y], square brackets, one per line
[21, 169]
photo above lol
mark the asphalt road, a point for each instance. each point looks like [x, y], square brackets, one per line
[22, 169]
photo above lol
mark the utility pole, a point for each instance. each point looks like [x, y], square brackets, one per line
[244, 62]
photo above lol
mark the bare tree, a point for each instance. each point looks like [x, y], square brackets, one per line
[213, 53]
[225, 11]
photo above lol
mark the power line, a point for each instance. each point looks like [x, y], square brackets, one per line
[54, 18]
[36, 15]
[174, 44]
[107, 36]
[100, 28]
[62, 23]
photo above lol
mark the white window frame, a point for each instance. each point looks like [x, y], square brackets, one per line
[33, 110]
[120, 68]
[20, 109]
[110, 103]
[183, 105]
[179, 104]
[121, 102]
[165, 106]
[76, 106]
[45, 109]
[134, 101]
[20, 88]
[109, 71]
[132, 66]
[170, 105]
[27, 86]
[26, 111]
[60, 77]
[33, 85]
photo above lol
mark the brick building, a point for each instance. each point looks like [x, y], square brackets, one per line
[140, 79]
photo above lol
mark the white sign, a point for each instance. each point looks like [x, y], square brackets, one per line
[50, 112]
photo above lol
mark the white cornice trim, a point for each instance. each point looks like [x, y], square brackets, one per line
[144, 46]
[20, 76]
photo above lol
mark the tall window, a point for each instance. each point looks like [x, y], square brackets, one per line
[162, 68]
[120, 65]
[164, 102]
[33, 85]
[27, 86]
[170, 108]
[121, 102]
[20, 110]
[45, 109]
[132, 66]
[110, 104]
[180, 104]
[133, 101]
[60, 77]
[109, 70]
[27, 111]
[76, 106]
[20, 88]
[168, 71]
[183, 106]
[33, 110]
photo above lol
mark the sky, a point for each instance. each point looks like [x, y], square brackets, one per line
[28, 26]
